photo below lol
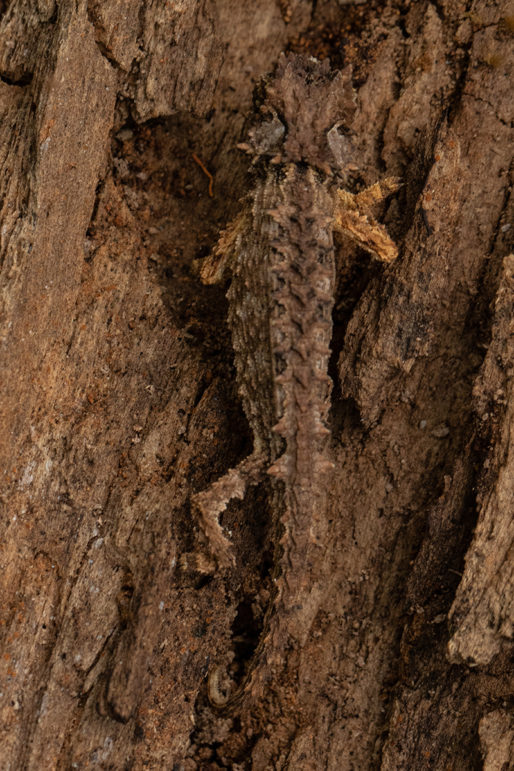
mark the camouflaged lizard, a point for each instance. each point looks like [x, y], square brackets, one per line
[280, 255]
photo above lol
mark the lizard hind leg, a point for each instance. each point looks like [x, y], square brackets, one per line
[215, 499]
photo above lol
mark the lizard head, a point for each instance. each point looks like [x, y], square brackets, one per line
[306, 115]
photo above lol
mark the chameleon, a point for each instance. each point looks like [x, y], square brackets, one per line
[279, 254]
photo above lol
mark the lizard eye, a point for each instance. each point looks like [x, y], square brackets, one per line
[340, 143]
[267, 136]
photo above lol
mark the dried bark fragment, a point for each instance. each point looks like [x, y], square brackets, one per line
[496, 731]
[482, 614]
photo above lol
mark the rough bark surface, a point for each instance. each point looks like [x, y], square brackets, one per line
[118, 399]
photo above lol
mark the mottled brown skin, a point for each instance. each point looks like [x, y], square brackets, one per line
[281, 258]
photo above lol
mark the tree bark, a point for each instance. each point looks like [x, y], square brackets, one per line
[118, 397]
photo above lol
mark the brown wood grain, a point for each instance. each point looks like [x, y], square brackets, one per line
[118, 397]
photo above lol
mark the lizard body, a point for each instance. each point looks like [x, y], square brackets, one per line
[280, 255]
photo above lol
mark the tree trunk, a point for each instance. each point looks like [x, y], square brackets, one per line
[120, 121]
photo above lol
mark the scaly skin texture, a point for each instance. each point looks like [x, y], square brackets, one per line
[280, 254]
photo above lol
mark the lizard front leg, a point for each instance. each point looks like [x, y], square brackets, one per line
[352, 216]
